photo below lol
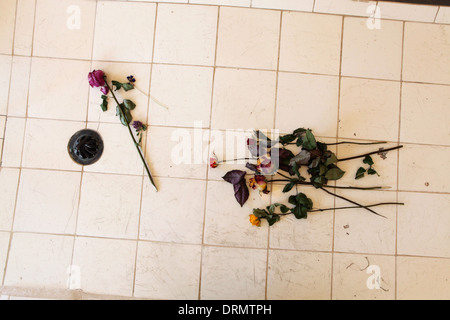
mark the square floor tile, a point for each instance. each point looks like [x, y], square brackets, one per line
[243, 99]
[157, 277]
[4, 245]
[360, 231]
[425, 53]
[294, 275]
[299, 103]
[420, 168]
[64, 29]
[407, 11]
[139, 95]
[425, 106]
[45, 145]
[369, 109]
[313, 233]
[302, 5]
[5, 73]
[181, 95]
[12, 146]
[9, 179]
[174, 213]
[106, 266]
[357, 277]
[423, 224]
[18, 92]
[39, 260]
[310, 43]
[443, 15]
[242, 274]
[177, 152]
[422, 278]
[372, 53]
[228, 145]
[248, 38]
[119, 154]
[186, 34]
[105, 211]
[345, 7]
[58, 89]
[386, 166]
[47, 201]
[23, 34]
[238, 3]
[8, 14]
[227, 223]
[124, 31]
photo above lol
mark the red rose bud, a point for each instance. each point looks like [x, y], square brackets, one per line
[96, 78]
[213, 162]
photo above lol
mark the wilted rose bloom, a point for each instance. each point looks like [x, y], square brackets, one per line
[105, 90]
[137, 125]
[96, 78]
[254, 220]
[131, 79]
[213, 161]
[259, 182]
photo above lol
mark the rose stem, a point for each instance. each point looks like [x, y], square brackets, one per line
[132, 137]
[351, 201]
[369, 206]
[342, 208]
[370, 153]
[327, 186]
[229, 160]
[358, 143]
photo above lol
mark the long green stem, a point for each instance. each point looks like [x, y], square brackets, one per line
[136, 144]
[328, 186]
[353, 202]
[371, 153]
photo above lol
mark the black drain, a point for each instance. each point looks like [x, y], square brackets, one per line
[85, 147]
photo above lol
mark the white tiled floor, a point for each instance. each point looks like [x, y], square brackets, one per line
[216, 65]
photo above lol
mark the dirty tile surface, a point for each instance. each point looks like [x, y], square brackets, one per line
[209, 72]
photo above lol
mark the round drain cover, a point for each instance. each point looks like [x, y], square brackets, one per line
[85, 147]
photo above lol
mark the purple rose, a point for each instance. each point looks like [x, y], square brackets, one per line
[96, 78]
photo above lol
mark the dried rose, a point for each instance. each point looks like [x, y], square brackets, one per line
[255, 221]
[96, 78]
[259, 182]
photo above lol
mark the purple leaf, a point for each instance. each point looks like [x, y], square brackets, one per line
[241, 192]
[234, 176]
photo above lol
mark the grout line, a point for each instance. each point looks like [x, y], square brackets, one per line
[337, 153]
[437, 13]
[9, 83]
[144, 174]
[209, 152]
[274, 127]
[23, 139]
[398, 158]
[234, 68]
[82, 167]
[224, 130]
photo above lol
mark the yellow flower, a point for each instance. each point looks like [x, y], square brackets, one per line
[254, 220]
